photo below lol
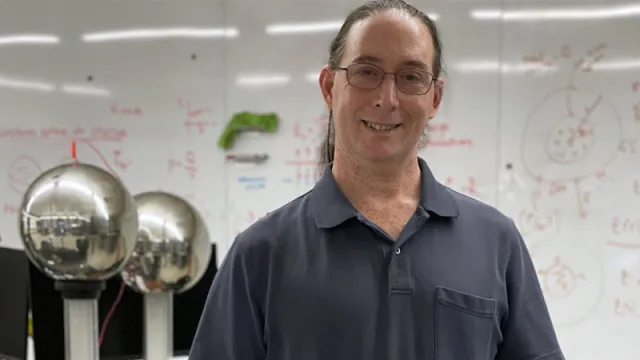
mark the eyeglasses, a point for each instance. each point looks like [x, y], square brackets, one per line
[408, 81]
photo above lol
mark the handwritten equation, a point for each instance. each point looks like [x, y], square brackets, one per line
[54, 133]
[9, 209]
[630, 307]
[187, 163]
[467, 186]
[312, 132]
[438, 135]
[625, 225]
[192, 121]
[542, 62]
[545, 62]
[304, 156]
[305, 162]
[119, 161]
[303, 177]
[626, 308]
[629, 280]
[126, 111]
[627, 229]
[252, 182]
[533, 222]
[592, 57]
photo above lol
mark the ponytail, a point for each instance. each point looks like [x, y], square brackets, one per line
[327, 149]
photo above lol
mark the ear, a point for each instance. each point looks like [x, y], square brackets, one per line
[438, 92]
[326, 85]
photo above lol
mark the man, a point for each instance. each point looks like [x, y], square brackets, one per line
[378, 261]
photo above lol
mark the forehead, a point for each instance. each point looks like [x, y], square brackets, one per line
[393, 37]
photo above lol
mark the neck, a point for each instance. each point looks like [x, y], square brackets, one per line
[363, 183]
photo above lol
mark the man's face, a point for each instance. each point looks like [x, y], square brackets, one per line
[382, 124]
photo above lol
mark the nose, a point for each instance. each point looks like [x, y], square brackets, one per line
[388, 95]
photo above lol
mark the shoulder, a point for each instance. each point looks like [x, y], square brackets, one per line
[264, 236]
[484, 220]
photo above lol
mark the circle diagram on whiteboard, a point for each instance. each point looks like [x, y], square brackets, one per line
[22, 171]
[572, 280]
[571, 134]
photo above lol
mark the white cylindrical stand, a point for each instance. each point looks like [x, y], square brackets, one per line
[81, 318]
[158, 326]
[81, 324]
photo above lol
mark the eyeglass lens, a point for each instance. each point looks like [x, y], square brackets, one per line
[410, 81]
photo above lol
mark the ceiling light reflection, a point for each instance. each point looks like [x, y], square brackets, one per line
[149, 34]
[26, 85]
[490, 66]
[577, 13]
[29, 39]
[311, 27]
[85, 90]
[261, 80]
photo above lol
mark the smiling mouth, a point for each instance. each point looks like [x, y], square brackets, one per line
[379, 127]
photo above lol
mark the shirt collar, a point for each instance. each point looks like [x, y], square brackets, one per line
[331, 207]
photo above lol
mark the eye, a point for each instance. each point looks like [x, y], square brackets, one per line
[367, 71]
[413, 76]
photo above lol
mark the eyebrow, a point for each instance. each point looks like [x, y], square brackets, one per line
[378, 61]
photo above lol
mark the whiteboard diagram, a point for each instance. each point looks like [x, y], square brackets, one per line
[572, 280]
[572, 134]
[22, 171]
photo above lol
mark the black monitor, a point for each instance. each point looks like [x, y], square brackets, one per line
[124, 337]
[14, 306]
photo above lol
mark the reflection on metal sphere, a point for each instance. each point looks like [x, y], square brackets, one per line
[173, 250]
[78, 222]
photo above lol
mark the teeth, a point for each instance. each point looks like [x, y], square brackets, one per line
[380, 127]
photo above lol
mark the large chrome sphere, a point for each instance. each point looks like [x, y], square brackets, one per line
[173, 250]
[78, 222]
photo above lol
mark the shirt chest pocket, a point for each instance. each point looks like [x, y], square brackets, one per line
[466, 326]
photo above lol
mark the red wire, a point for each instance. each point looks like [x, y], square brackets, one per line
[103, 328]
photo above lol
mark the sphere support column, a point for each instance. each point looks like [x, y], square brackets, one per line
[81, 318]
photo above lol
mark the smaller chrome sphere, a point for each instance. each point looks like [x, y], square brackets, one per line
[172, 251]
[78, 222]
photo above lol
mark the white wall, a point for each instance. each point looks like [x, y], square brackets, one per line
[573, 189]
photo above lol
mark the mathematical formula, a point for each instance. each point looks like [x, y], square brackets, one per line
[625, 225]
[187, 164]
[437, 135]
[9, 209]
[120, 110]
[530, 222]
[466, 186]
[253, 182]
[192, 121]
[65, 134]
[626, 308]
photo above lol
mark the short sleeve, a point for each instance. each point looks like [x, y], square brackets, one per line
[528, 332]
[232, 323]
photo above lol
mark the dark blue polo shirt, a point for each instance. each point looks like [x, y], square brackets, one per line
[315, 280]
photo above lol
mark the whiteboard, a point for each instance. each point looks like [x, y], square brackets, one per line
[540, 118]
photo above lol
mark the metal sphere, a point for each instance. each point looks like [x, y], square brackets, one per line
[78, 222]
[172, 251]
